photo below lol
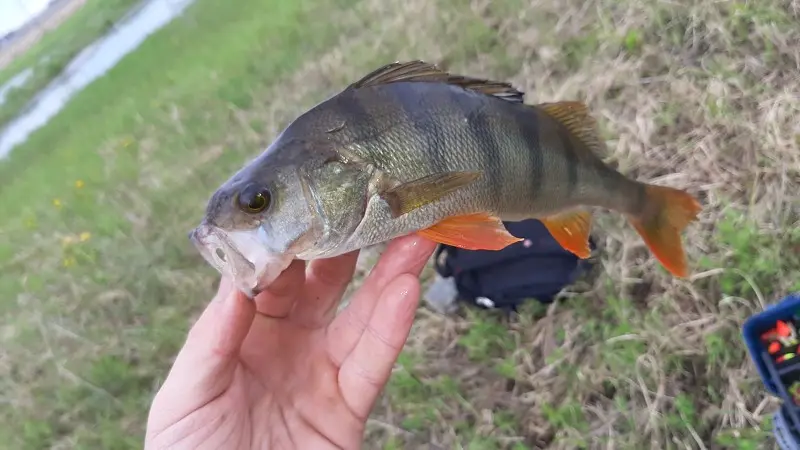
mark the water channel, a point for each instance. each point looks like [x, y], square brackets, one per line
[88, 65]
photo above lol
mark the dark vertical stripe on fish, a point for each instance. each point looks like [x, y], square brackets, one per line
[428, 128]
[640, 196]
[571, 158]
[528, 126]
[487, 140]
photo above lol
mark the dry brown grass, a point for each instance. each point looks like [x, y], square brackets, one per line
[697, 95]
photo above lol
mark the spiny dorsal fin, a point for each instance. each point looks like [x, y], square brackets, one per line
[576, 118]
[417, 70]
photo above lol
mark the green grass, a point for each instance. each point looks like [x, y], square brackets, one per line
[48, 57]
[98, 283]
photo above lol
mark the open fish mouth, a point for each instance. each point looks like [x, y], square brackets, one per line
[240, 255]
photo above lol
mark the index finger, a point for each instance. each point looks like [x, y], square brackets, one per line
[326, 281]
[407, 254]
[278, 299]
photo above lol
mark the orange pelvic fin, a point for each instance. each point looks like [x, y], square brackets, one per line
[571, 230]
[478, 231]
[669, 211]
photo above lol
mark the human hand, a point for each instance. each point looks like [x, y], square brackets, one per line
[284, 371]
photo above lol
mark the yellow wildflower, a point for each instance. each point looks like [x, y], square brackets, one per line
[57, 203]
[69, 262]
[85, 236]
[79, 184]
[66, 240]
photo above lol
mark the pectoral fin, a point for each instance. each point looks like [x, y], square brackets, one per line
[571, 230]
[472, 232]
[414, 194]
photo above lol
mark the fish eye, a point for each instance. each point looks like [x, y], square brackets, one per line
[254, 199]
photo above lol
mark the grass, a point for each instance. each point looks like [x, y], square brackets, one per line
[48, 57]
[99, 283]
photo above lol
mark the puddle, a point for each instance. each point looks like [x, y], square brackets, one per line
[18, 80]
[88, 65]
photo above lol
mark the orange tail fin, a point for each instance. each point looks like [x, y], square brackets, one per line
[668, 212]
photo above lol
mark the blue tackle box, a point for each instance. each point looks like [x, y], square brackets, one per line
[773, 341]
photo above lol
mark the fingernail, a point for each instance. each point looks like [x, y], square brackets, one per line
[414, 241]
[408, 284]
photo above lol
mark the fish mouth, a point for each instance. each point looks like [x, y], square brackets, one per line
[241, 255]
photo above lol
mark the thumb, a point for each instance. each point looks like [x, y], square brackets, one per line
[205, 365]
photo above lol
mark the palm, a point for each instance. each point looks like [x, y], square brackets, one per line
[285, 394]
[296, 377]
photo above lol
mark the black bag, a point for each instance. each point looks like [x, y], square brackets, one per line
[535, 268]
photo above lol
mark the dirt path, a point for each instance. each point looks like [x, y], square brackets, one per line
[50, 19]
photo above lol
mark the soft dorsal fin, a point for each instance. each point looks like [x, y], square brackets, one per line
[576, 118]
[417, 70]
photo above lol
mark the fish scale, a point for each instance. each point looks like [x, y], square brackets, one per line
[411, 148]
[466, 134]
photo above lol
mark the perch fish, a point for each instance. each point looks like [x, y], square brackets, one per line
[411, 148]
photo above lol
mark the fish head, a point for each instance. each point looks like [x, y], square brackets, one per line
[293, 201]
[239, 255]
[258, 221]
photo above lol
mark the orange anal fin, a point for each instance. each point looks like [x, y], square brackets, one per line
[671, 210]
[471, 232]
[571, 230]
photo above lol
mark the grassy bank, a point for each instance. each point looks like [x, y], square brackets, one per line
[98, 283]
[48, 57]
